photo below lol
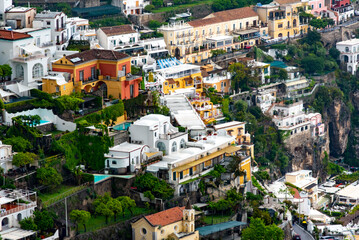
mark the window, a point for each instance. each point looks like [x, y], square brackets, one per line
[280, 25]
[37, 70]
[48, 23]
[174, 147]
[19, 217]
[114, 162]
[203, 32]
[183, 143]
[81, 75]
[144, 231]
[174, 176]
[93, 72]
[132, 88]
[181, 175]
[161, 146]
[19, 71]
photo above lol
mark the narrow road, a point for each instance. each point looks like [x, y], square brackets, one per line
[304, 235]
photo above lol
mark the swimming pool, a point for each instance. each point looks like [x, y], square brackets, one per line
[42, 122]
[122, 126]
[98, 178]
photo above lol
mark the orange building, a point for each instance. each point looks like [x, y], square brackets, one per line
[93, 70]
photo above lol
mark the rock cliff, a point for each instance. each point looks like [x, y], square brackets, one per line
[338, 120]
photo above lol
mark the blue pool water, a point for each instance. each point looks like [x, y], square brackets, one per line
[98, 178]
[122, 126]
[42, 122]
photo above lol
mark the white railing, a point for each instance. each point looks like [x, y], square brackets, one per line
[17, 209]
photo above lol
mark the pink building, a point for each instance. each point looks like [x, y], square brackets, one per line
[318, 7]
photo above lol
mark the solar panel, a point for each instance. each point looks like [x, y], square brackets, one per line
[75, 60]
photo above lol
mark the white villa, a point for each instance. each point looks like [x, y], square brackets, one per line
[349, 54]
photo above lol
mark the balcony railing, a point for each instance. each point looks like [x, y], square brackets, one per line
[61, 42]
[17, 209]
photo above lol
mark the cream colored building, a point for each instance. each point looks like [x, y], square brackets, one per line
[282, 17]
[193, 41]
[174, 223]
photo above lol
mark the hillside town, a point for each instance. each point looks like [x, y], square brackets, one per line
[179, 119]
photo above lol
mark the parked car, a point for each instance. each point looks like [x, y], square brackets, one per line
[296, 237]
[328, 238]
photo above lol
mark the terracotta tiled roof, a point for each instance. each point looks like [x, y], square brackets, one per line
[171, 81]
[11, 35]
[95, 54]
[118, 30]
[224, 16]
[204, 73]
[287, 1]
[166, 217]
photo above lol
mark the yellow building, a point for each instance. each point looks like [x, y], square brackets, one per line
[206, 109]
[92, 70]
[282, 17]
[174, 223]
[238, 130]
[218, 79]
[183, 78]
[193, 41]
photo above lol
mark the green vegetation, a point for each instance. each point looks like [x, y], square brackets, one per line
[154, 34]
[154, 24]
[24, 159]
[59, 193]
[19, 144]
[5, 72]
[159, 188]
[258, 230]
[221, 5]
[108, 22]
[80, 217]
[180, 7]
[78, 45]
[257, 185]
[242, 77]
[319, 23]
[348, 177]
[49, 177]
[108, 116]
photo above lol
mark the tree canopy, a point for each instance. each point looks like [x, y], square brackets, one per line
[48, 176]
[22, 159]
[257, 230]
[80, 217]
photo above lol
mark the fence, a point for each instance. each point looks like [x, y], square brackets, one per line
[17, 209]
[64, 195]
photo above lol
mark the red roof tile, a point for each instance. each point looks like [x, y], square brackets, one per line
[11, 35]
[166, 217]
[224, 16]
[96, 54]
[118, 30]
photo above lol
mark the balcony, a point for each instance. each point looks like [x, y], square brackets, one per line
[26, 58]
[276, 18]
[10, 208]
[48, 44]
[61, 28]
[63, 41]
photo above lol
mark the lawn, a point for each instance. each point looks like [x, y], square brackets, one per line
[216, 219]
[61, 192]
[182, 6]
[100, 221]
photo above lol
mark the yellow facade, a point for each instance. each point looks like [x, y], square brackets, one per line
[163, 232]
[283, 20]
[191, 40]
[191, 81]
[206, 110]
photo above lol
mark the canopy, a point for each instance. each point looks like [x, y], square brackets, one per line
[31, 49]
[207, 230]
[16, 233]
[18, 88]
[5, 93]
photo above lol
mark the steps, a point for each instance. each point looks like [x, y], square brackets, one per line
[183, 112]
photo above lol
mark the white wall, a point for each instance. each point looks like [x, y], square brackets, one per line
[13, 218]
[46, 115]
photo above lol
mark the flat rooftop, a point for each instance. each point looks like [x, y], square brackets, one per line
[350, 191]
[353, 41]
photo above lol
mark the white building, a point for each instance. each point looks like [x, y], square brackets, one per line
[349, 195]
[15, 205]
[349, 54]
[5, 157]
[291, 117]
[57, 22]
[156, 131]
[20, 17]
[41, 38]
[259, 69]
[117, 37]
[4, 6]
[265, 98]
[29, 62]
[130, 7]
[304, 180]
[126, 157]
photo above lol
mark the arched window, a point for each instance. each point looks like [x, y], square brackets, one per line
[174, 147]
[295, 23]
[19, 217]
[161, 146]
[19, 71]
[346, 49]
[183, 143]
[280, 35]
[37, 70]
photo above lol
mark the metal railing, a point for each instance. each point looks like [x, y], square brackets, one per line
[17, 209]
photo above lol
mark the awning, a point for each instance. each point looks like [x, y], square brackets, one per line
[15, 234]
[31, 49]
[296, 83]
[227, 150]
[5, 93]
[207, 230]
[247, 31]
[18, 88]
[171, 81]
